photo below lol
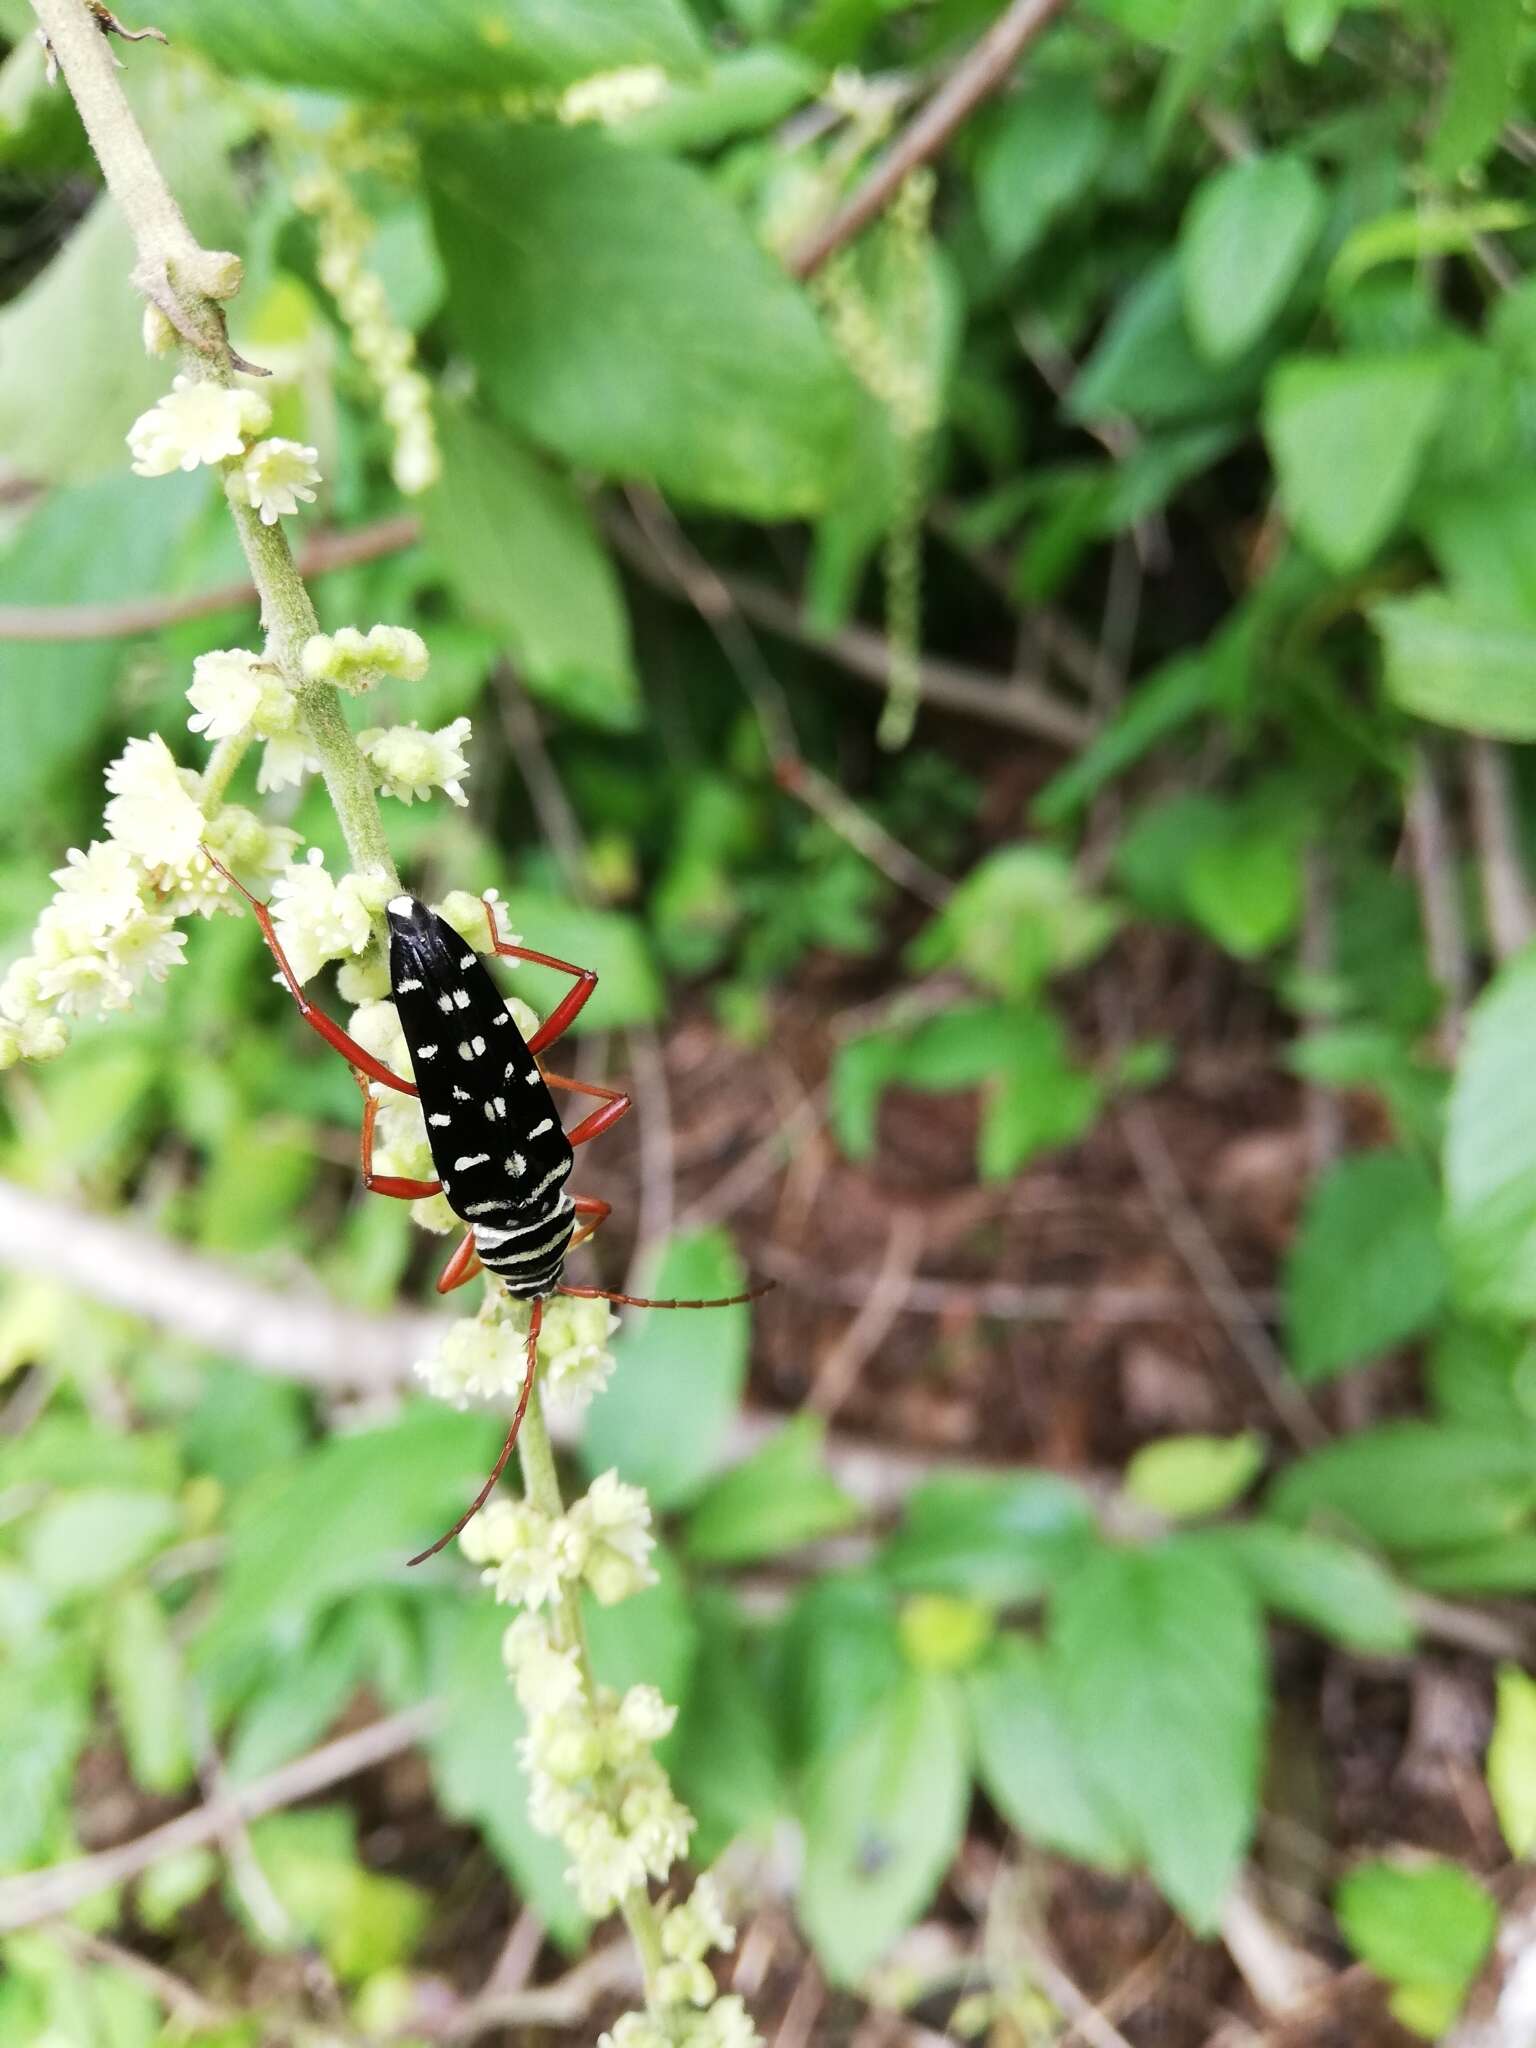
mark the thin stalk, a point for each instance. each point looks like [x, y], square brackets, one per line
[171, 261]
[541, 1483]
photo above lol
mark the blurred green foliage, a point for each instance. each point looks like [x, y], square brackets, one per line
[1230, 297]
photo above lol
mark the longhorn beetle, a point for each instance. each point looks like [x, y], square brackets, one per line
[501, 1155]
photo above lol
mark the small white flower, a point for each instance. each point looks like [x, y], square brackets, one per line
[605, 1538]
[727, 2024]
[233, 690]
[274, 476]
[319, 919]
[410, 763]
[285, 761]
[195, 422]
[656, 1821]
[466, 914]
[364, 981]
[514, 1541]
[153, 810]
[697, 1924]
[689, 1983]
[573, 1354]
[376, 1027]
[614, 95]
[547, 1679]
[642, 1718]
[99, 890]
[248, 844]
[146, 948]
[417, 462]
[636, 2030]
[357, 661]
[481, 1359]
[605, 1862]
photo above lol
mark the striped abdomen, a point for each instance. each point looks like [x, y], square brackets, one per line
[528, 1251]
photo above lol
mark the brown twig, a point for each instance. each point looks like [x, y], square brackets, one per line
[1506, 887]
[838, 1372]
[42, 1894]
[713, 599]
[1433, 856]
[981, 72]
[132, 616]
[1026, 705]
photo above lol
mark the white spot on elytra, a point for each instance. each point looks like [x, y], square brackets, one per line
[466, 1050]
[468, 960]
[408, 987]
[440, 1121]
[426, 1052]
[531, 1078]
[444, 1003]
[478, 1044]
[399, 906]
[461, 997]
[470, 1159]
[539, 1129]
[517, 1166]
[505, 1017]
[461, 1095]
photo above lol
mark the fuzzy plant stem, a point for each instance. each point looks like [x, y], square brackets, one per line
[186, 282]
[541, 1483]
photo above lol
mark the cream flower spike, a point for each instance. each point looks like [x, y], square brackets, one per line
[274, 477]
[196, 422]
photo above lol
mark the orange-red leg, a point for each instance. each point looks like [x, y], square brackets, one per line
[464, 1265]
[356, 1055]
[615, 1104]
[561, 1017]
[598, 1210]
[645, 1301]
[387, 1183]
[480, 1499]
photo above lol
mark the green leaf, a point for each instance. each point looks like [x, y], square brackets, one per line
[1146, 364]
[1030, 1757]
[840, 1653]
[1000, 1539]
[1019, 916]
[884, 1815]
[726, 1757]
[45, 1710]
[1504, 1565]
[1243, 882]
[1490, 1151]
[664, 1420]
[1447, 661]
[776, 1500]
[650, 1638]
[472, 1749]
[1041, 1099]
[620, 313]
[1512, 1759]
[454, 46]
[146, 1686]
[1184, 1477]
[1162, 1659]
[1366, 1272]
[94, 543]
[1160, 704]
[1245, 237]
[1309, 27]
[1348, 435]
[1040, 155]
[1416, 235]
[1331, 1586]
[347, 1515]
[745, 90]
[610, 942]
[1413, 1486]
[1426, 1926]
[1487, 49]
[79, 1542]
[518, 551]
[361, 1922]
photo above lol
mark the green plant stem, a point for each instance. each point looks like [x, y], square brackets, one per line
[171, 262]
[541, 1483]
[220, 772]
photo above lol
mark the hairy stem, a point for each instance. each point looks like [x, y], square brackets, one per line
[541, 1482]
